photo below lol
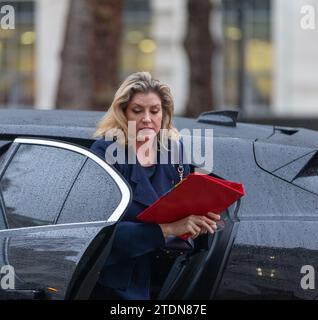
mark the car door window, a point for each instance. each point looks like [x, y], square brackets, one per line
[2, 220]
[94, 196]
[35, 184]
[1, 158]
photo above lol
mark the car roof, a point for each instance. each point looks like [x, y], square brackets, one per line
[82, 124]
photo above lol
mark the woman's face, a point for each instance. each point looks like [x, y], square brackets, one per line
[146, 110]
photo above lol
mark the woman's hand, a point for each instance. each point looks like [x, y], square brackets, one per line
[193, 224]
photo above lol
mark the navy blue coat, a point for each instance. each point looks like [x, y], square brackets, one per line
[126, 274]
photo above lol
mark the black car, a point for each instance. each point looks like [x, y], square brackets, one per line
[56, 235]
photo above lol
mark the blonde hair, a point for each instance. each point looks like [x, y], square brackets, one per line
[137, 82]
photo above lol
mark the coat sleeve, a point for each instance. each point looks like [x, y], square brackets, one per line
[133, 239]
[99, 147]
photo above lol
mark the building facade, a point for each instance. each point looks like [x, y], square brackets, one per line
[264, 63]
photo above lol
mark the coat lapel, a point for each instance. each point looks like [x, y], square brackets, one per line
[144, 191]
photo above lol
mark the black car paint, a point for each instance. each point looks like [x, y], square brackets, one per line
[56, 260]
[277, 233]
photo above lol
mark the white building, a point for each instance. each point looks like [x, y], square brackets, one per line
[296, 50]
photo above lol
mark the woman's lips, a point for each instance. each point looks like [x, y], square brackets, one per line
[146, 133]
[145, 129]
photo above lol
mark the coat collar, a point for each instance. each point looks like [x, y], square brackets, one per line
[145, 192]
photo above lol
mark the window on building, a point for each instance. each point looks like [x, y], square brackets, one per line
[138, 47]
[17, 57]
[248, 54]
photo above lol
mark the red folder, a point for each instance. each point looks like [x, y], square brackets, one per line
[196, 194]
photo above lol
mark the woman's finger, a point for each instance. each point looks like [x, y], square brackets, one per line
[214, 216]
[196, 227]
[209, 221]
[215, 227]
[205, 225]
[193, 232]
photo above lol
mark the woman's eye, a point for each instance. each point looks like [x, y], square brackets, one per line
[136, 111]
[154, 112]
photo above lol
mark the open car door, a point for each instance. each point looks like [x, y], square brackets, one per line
[59, 207]
[196, 273]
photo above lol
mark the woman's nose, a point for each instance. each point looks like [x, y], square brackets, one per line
[146, 117]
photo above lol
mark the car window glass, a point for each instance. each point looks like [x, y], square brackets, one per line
[35, 184]
[2, 221]
[6, 153]
[308, 177]
[94, 196]
[1, 159]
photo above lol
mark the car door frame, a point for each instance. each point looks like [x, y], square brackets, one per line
[197, 274]
[84, 288]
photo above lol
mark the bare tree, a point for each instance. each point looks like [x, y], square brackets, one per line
[90, 55]
[199, 48]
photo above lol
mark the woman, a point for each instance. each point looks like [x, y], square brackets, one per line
[147, 104]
